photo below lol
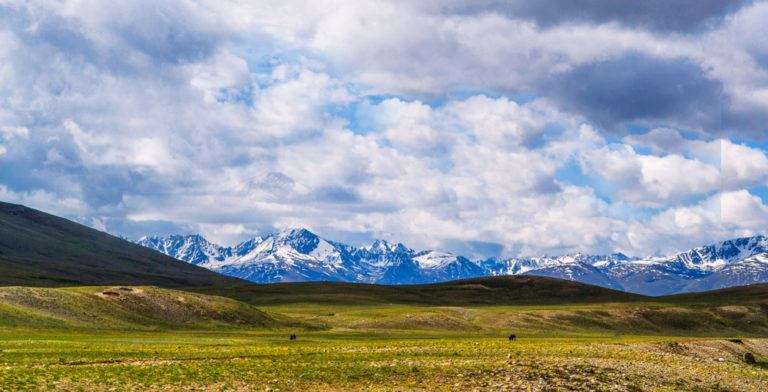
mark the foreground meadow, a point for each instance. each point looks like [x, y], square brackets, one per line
[152, 339]
[368, 360]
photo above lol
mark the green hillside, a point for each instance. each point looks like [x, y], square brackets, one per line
[493, 290]
[124, 308]
[39, 249]
[741, 295]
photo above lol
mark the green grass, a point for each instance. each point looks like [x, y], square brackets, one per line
[539, 320]
[368, 360]
[146, 307]
[494, 290]
[128, 308]
[226, 334]
[81, 339]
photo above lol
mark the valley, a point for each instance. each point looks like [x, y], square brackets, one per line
[384, 195]
[387, 348]
[81, 310]
[122, 338]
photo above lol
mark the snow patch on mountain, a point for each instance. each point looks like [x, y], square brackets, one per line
[297, 254]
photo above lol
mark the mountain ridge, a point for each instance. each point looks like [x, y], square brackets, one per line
[40, 249]
[298, 254]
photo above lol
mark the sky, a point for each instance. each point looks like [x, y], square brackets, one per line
[487, 128]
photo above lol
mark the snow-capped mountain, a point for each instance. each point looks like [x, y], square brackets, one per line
[734, 262]
[715, 266]
[291, 255]
[191, 248]
[300, 255]
[580, 267]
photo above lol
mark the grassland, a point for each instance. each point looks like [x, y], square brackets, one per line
[125, 308]
[146, 338]
[367, 360]
[109, 315]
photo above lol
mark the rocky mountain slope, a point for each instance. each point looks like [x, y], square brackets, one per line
[300, 255]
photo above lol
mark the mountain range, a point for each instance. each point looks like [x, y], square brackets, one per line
[44, 253]
[297, 254]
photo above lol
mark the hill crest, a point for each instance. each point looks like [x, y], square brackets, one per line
[40, 249]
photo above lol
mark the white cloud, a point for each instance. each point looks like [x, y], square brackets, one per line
[407, 125]
[218, 74]
[724, 215]
[120, 149]
[651, 179]
[426, 50]
[738, 165]
[295, 101]
[47, 201]
[8, 132]
[499, 122]
[234, 118]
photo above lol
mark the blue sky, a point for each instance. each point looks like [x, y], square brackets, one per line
[486, 128]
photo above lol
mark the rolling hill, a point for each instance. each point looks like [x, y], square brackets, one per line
[493, 290]
[125, 308]
[741, 295]
[39, 249]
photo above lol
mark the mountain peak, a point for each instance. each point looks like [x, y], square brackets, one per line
[719, 254]
[193, 248]
[383, 246]
[295, 231]
[620, 256]
[297, 254]
[299, 238]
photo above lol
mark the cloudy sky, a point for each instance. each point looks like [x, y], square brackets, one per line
[482, 127]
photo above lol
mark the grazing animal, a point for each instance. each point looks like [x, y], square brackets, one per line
[292, 337]
[512, 337]
[737, 341]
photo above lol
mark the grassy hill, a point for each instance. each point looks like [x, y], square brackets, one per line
[493, 290]
[39, 249]
[451, 311]
[535, 305]
[124, 308]
[741, 295]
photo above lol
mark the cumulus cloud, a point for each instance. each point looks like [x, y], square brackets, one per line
[724, 215]
[739, 165]
[650, 179]
[45, 200]
[491, 127]
[687, 63]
